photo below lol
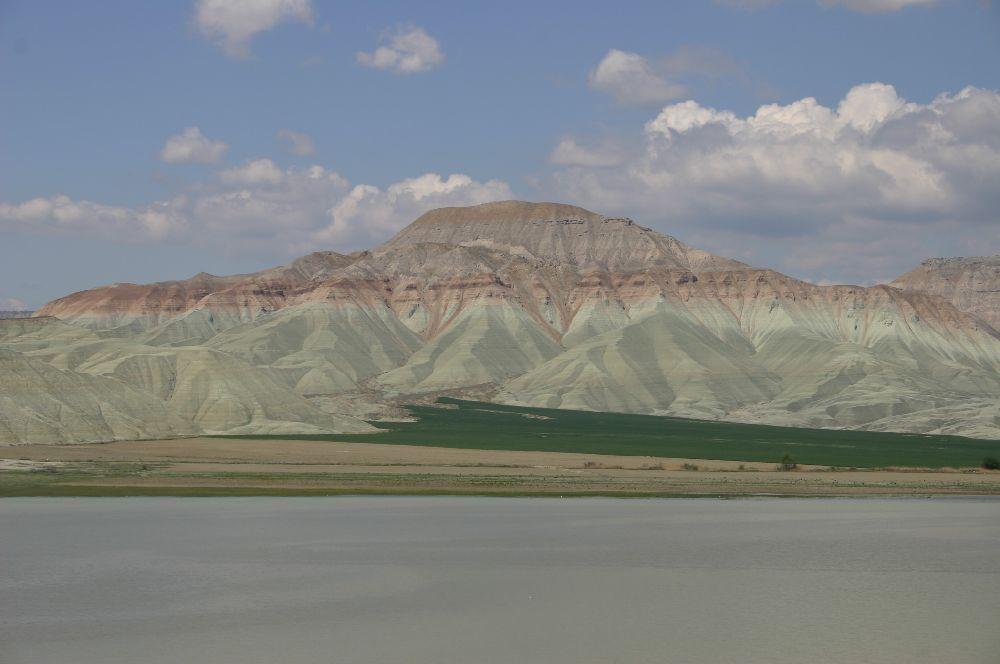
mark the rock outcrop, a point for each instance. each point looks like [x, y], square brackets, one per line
[971, 284]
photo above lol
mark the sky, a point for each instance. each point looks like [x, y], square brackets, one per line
[839, 141]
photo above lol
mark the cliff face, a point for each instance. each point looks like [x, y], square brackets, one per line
[536, 304]
[971, 284]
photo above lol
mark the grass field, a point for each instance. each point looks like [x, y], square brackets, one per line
[487, 426]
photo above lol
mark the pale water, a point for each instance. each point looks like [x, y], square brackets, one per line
[468, 580]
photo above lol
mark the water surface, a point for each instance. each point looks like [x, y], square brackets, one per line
[436, 580]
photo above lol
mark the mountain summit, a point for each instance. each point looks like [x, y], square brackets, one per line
[557, 234]
[537, 304]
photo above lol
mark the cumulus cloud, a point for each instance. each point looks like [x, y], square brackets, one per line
[631, 79]
[232, 24]
[634, 79]
[406, 50]
[260, 208]
[297, 142]
[866, 188]
[192, 146]
[252, 173]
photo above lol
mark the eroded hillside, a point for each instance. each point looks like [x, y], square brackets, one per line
[533, 304]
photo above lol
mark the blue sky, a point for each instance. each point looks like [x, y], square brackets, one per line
[518, 99]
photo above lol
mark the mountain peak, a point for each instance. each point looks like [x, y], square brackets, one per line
[556, 233]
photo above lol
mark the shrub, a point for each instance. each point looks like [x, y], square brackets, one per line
[690, 466]
[787, 463]
[991, 463]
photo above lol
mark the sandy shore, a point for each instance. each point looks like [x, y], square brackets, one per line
[297, 466]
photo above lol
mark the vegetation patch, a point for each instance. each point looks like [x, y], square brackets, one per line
[488, 426]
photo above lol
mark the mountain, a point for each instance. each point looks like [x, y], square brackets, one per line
[536, 304]
[971, 284]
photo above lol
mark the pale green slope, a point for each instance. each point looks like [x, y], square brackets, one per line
[785, 362]
[322, 349]
[665, 362]
[42, 404]
[485, 344]
[207, 390]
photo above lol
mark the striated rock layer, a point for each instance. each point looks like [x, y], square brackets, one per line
[971, 284]
[535, 304]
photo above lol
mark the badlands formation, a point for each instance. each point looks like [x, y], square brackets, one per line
[534, 304]
[971, 284]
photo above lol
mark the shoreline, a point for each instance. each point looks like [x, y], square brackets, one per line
[224, 467]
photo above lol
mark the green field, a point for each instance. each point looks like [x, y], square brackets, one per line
[487, 426]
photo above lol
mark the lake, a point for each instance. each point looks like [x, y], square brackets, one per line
[504, 580]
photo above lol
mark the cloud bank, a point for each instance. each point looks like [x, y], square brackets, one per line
[260, 208]
[860, 190]
[869, 187]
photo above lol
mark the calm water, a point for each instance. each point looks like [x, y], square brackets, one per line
[471, 580]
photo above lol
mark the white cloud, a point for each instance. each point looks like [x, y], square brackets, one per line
[407, 50]
[261, 209]
[631, 79]
[368, 213]
[232, 24]
[634, 79]
[868, 187]
[866, 106]
[192, 146]
[254, 172]
[297, 142]
[62, 215]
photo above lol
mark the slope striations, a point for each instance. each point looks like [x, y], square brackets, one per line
[39, 403]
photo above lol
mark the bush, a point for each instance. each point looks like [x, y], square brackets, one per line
[991, 463]
[787, 463]
[690, 466]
